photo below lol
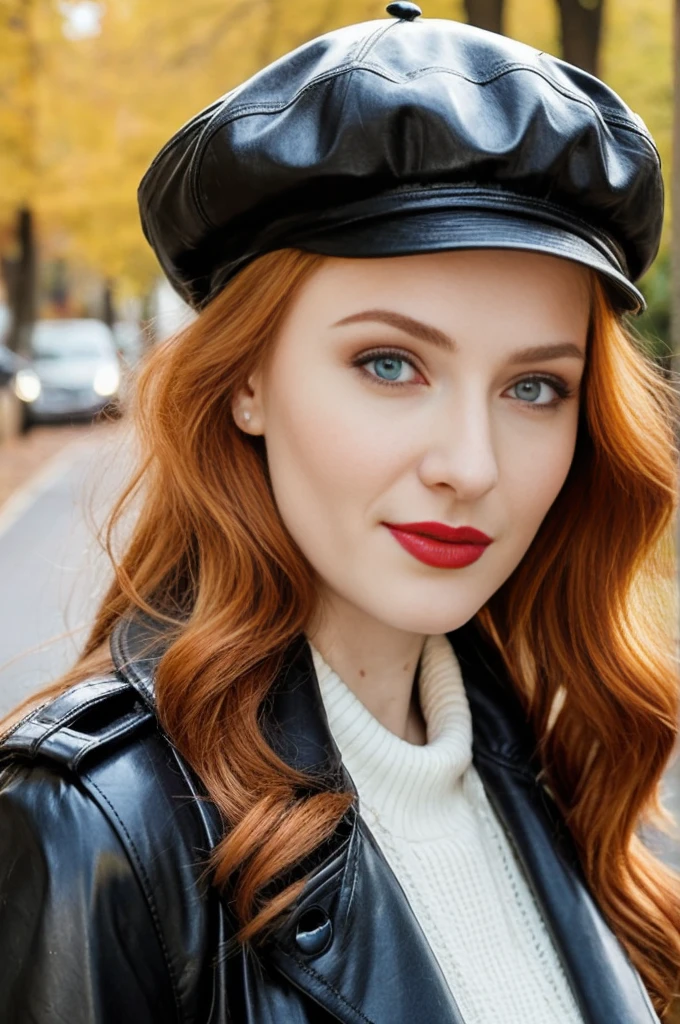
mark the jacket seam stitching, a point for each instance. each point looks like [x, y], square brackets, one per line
[72, 714]
[50, 728]
[323, 981]
[134, 717]
[30, 715]
[146, 888]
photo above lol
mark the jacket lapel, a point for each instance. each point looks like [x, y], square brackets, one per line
[376, 938]
[605, 983]
[371, 919]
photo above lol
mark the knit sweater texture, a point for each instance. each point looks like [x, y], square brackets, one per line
[428, 811]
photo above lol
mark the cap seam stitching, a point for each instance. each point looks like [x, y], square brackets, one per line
[254, 108]
[180, 134]
[212, 111]
[243, 111]
[370, 40]
[365, 65]
[209, 130]
[605, 113]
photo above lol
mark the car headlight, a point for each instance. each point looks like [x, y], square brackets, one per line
[27, 385]
[106, 380]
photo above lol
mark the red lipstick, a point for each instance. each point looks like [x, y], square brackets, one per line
[439, 545]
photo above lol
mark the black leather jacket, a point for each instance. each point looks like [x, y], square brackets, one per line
[106, 916]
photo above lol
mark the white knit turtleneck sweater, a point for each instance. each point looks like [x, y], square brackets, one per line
[429, 813]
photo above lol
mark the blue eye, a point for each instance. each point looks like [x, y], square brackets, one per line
[388, 365]
[532, 385]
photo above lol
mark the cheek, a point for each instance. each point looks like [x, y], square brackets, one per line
[536, 471]
[328, 453]
[332, 432]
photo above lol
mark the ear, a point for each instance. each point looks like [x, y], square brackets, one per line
[246, 406]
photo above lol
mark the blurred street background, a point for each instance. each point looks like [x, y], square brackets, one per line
[89, 91]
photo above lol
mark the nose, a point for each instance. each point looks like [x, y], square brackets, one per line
[459, 447]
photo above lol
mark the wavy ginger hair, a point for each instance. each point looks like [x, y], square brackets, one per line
[591, 655]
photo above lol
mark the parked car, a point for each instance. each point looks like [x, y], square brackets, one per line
[11, 408]
[73, 373]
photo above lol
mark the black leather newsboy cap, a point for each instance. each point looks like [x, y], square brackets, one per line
[406, 135]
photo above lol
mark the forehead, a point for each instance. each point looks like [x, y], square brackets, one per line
[477, 290]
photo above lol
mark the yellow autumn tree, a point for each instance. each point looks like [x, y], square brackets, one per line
[110, 101]
[105, 104]
[17, 109]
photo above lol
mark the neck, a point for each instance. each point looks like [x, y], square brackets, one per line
[376, 661]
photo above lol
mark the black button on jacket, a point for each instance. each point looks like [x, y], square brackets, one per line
[106, 916]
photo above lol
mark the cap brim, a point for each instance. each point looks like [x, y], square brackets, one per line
[412, 231]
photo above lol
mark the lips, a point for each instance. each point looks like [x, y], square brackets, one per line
[440, 531]
[439, 545]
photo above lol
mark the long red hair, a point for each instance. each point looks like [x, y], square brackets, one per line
[583, 623]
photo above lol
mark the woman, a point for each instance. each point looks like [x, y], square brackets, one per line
[370, 717]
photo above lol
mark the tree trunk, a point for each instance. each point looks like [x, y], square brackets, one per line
[108, 304]
[486, 14]
[580, 32]
[21, 273]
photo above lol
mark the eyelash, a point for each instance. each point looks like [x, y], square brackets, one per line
[563, 390]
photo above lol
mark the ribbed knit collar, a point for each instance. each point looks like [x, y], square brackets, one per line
[410, 788]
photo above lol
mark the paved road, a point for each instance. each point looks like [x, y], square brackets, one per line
[53, 573]
[667, 848]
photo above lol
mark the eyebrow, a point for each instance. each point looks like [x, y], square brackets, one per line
[433, 336]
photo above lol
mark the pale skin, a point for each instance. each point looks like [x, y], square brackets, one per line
[462, 434]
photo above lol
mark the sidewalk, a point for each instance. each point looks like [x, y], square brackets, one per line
[23, 456]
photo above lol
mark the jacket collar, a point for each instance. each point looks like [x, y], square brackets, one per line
[295, 721]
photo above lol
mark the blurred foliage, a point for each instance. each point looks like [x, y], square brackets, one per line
[654, 324]
[19, 108]
[81, 117]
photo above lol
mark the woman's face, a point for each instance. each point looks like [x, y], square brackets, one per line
[396, 392]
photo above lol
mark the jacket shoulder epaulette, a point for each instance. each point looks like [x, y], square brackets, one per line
[90, 717]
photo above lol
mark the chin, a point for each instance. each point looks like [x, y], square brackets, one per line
[427, 618]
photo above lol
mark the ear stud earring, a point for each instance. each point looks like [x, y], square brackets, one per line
[246, 415]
